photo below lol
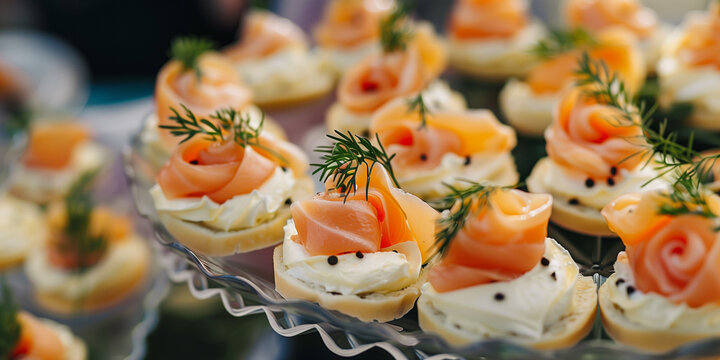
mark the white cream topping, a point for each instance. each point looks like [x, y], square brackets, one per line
[22, 228]
[532, 302]
[653, 311]
[438, 96]
[42, 185]
[74, 286]
[526, 110]
[558, 183]
[240, 212]
[510, 55]
[379, 272]
[341, 59]
[697, 85]
[487, 166]
[291, 72]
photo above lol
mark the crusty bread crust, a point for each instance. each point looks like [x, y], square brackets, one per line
[108, 293]
[380, 307]
[565, 333]
[626, 332]
[578, 218]
[525, 119]
[212, 242]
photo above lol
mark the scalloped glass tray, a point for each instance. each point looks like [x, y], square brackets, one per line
[245, 284]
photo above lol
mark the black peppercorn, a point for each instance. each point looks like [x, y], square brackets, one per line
[574, 201]
[194, 162]
[395, 251]
[611, 181]
[283, 168]
[467, 160]
[630, 290]
[544, 261]
[613, 171]
[499, 296]
[589, 182]
[619, 282]
[423, 157]
[332, 260]
[288, 201]
[359, 255]
[553, 276]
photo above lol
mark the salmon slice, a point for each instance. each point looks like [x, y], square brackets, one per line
[597, 15]
[677, 257]
[223, 170]
[700, 45]
[349, 23]
[386, 76]
[616, 47]
[264, 34]
[37, 340]
[461, 133]
[487, 19]
[51, 145]
[498, 242]
[219, 86]
[588, 137]
[329, 226]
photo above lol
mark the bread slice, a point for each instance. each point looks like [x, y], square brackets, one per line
[213, 242]
[381, 307]
[569, 330]
[626, 332]
[578, 218]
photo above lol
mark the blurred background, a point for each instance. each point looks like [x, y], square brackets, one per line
[101, 58]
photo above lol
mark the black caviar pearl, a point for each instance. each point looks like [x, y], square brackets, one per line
[423, 157]
[574, 201]
[499, 296]
[332, 260]
[194, 162]
[619, 282]
[288, 201]
[611, 182]
[553, 276]
[613, 171]
[630, 290]
[467, 160]
[544, 261]
[589, 182]
[359, 255]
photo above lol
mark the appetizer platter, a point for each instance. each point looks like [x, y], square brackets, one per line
[568, 219]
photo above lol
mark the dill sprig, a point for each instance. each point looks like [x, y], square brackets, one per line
[187, 50]
[561, 42]
[667, 156]
[78, 209]
[9, 325]
[341, 161]
[224, 125]
[460, 203]
[394, 30]
[418, 104]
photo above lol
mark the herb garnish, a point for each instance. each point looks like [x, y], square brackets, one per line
[668, 156]
[418, 104]
[561, 42]
[394, 31]
[187, 50]
[9, 325]
[342, 160]
[77, 236]
[225, 124]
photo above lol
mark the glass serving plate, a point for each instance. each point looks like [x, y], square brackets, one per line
[245, 284]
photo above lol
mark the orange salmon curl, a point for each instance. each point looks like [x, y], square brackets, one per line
[222, 170]
[701, 43]
[349, 23]
[615, 46]
[37, 340]
[591, 138]
[386, 76]
[51, 145]
[218, 86]
[462, 133]
[499, 242]
[328, 226]
[487, 19]
[677, 257]
[264, 34]
[597, 15]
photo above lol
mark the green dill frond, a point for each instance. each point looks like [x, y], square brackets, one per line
[418, 104]
[188, 49]
[188, 125]
[460, 203]
[561, 42]
[79, 206]
[342, 159]
[9, 325]
[394, 30]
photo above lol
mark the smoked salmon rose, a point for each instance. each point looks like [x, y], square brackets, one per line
[483, 19]
[597, 15]
[347, 24]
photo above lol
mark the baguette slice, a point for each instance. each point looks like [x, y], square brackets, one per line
[563, 334]
[626, 332]
[380, 307]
